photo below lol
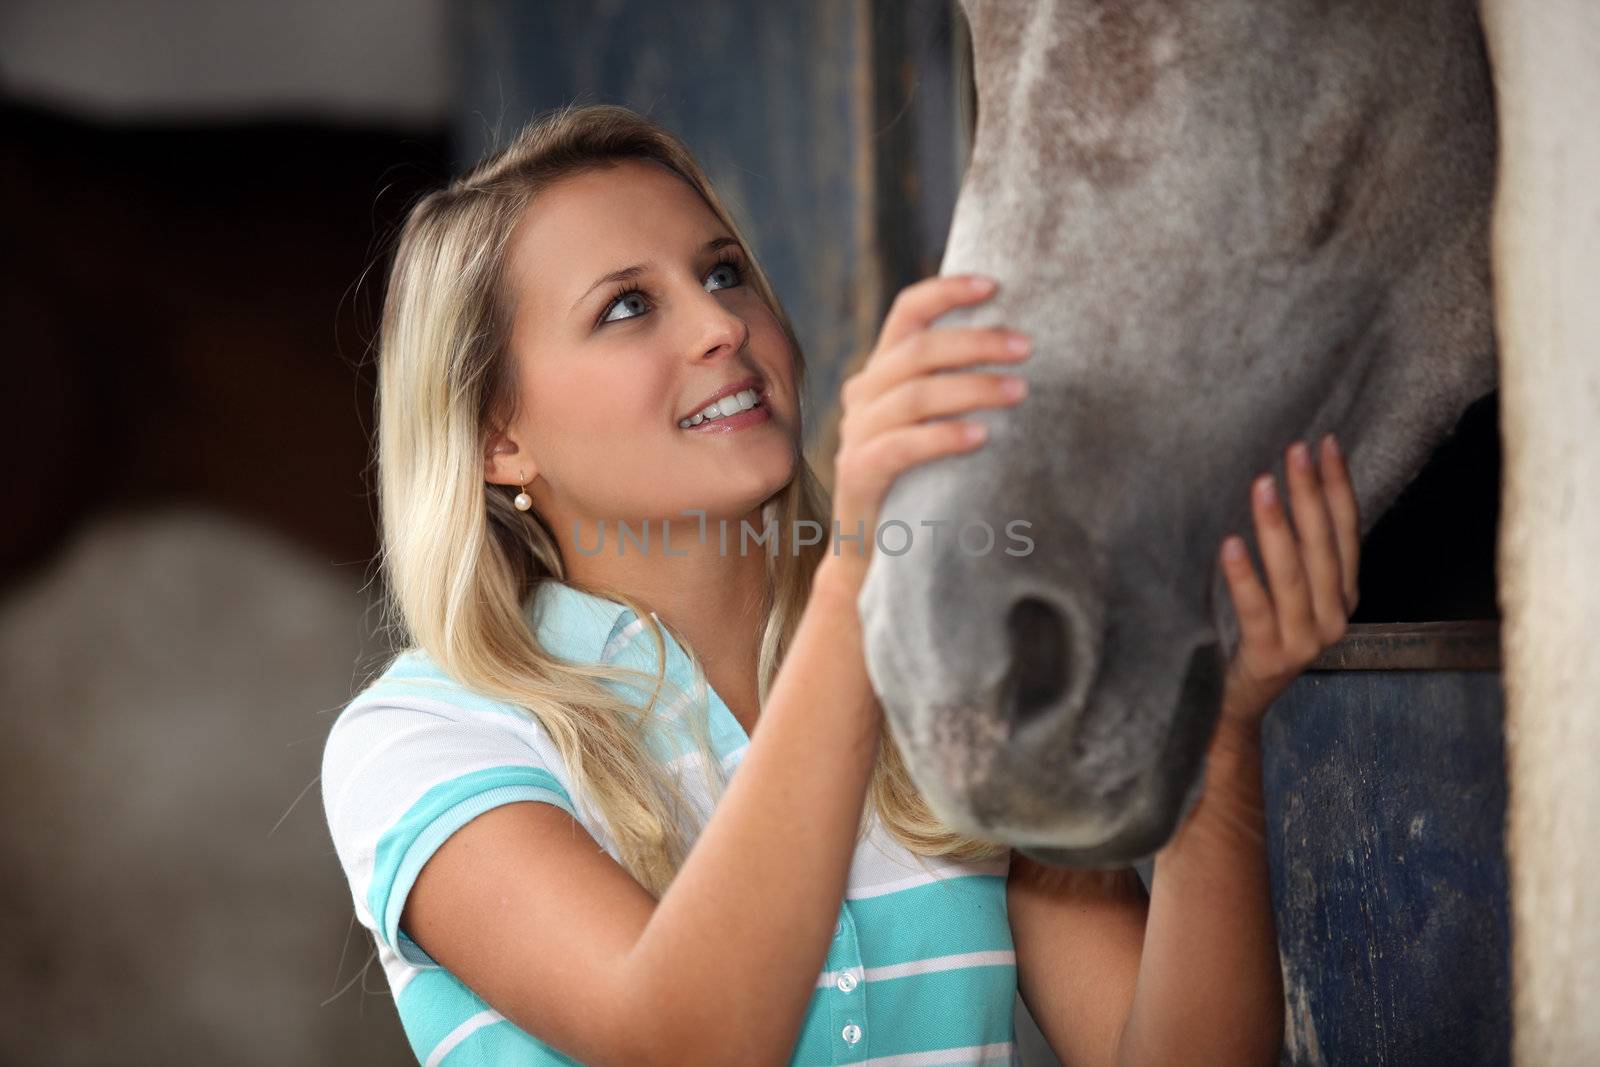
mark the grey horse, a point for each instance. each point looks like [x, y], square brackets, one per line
[1227, 226]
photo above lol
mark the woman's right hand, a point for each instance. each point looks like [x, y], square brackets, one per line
[882, 431]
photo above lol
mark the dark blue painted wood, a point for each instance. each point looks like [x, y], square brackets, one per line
[1385, 795]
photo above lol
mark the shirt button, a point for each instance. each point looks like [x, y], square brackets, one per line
[851, 1033]
[847, 982]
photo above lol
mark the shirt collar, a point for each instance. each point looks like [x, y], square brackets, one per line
[584, 628]
[575, 625]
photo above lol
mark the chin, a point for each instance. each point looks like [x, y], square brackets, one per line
[739, 493]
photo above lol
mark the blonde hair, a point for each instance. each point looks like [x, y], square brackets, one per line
[460, 561]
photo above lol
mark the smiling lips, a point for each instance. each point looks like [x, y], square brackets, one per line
[729, 406]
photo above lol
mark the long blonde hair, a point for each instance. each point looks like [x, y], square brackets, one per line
[460, 561]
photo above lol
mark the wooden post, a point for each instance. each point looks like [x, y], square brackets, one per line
[1546, 262]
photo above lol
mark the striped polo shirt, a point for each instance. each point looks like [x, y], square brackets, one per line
[921, 969]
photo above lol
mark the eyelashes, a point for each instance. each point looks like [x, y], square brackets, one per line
[724, 259]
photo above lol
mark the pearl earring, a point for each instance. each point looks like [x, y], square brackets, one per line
[522, 500]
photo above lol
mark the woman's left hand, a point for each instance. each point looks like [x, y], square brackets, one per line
[1313, 581]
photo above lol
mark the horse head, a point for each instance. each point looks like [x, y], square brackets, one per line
[1226, 226]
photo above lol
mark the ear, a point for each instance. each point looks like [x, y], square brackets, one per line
[506, 463]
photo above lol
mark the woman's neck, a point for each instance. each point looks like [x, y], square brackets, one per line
[715, 599]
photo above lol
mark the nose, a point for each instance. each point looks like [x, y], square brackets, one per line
[1052, 624]
[720, 329]
[1026, 635]
[1036, 632]
[1051, 648]
[1166, 793]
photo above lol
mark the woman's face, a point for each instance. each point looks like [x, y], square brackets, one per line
[607, 368]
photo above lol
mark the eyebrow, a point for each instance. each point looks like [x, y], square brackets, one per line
[627, 273]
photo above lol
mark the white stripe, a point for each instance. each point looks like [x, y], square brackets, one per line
[999, 1052]
[829, 979]
[516, 721]
[993, 958]
[399, 969]
[624, 635]
[525, 729]
[353, 775]
[461, 1033]
[927, 878]
[695, 758]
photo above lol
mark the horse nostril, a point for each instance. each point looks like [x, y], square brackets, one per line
[1037, 678]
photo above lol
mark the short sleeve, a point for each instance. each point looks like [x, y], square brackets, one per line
[400, 774]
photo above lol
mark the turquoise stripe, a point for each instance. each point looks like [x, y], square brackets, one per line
[917, 1013]
[944, 1009]
[943, 918]
[955, 1008]
[440, 812]
[433, 1004]
[817, 1034]
[397, 690]
[436, 1002]
[503, 1043]
[413, 674]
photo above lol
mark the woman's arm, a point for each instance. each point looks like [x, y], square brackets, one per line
[1091, 943]
[1191, 975]
[730, 958]
[1210, 986]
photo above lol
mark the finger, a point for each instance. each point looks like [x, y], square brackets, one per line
[1258, 623]
[942, 350]
[1341, 496]
[931, 396]
[1318, 553]
[917, 305]
[870, 468]
[1286, 578]
[945, 349]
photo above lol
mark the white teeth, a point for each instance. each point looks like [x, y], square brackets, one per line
[731, 404]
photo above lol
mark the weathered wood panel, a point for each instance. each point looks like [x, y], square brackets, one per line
[922, 103]
[1385, 793]
[1450, 645]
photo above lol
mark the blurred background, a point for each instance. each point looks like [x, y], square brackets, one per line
[198, 203]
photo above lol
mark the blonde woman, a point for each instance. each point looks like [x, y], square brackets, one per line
[514, 799]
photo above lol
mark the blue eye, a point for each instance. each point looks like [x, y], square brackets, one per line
[725, 261]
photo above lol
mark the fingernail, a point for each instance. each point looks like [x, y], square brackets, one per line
[1233, 548]
[981, 283]
[1300, 455]
[1018, 344]
[1015, 388]
[1333, 446]
[1265, 492]
[975, 431]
